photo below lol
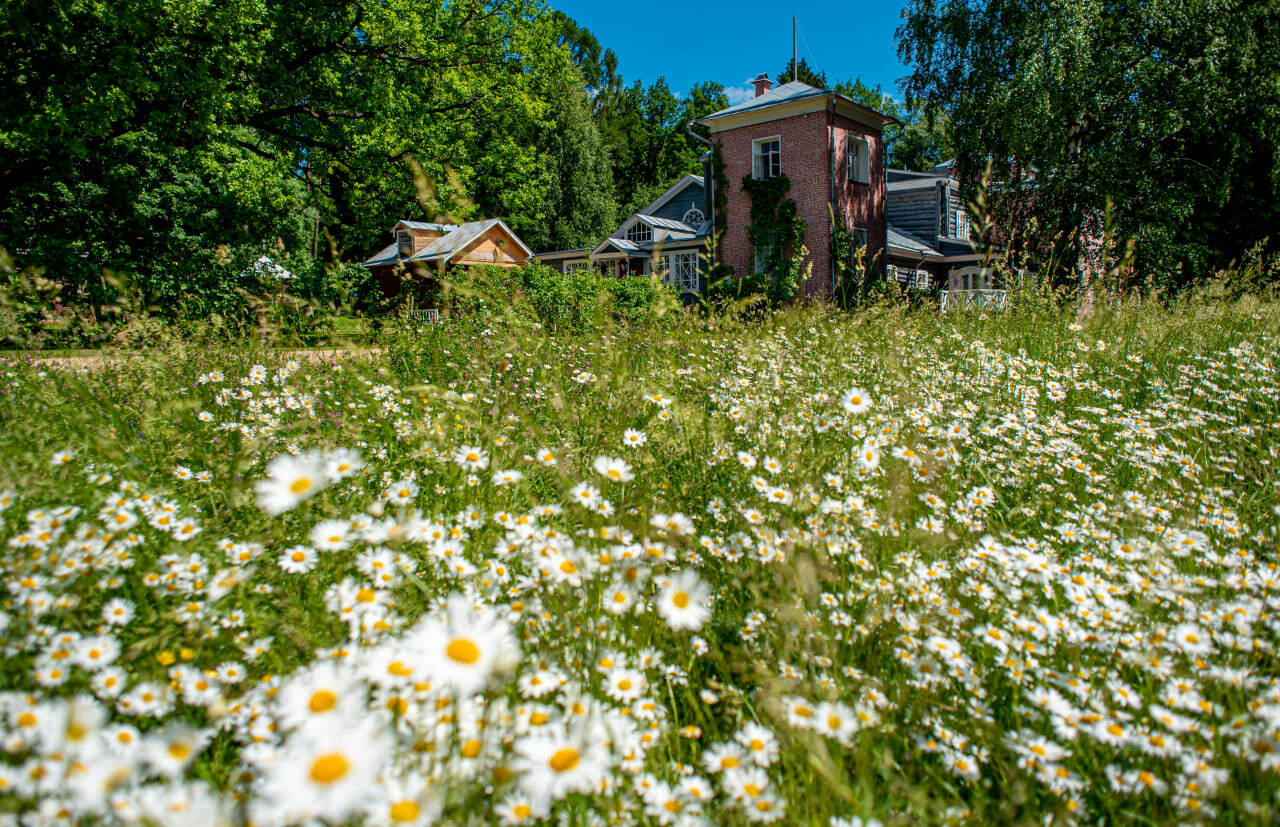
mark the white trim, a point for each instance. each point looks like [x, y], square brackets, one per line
[661, 201]
[850, 109]
[857, 163]
[756, 170]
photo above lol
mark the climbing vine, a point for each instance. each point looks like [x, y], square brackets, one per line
[777, 229]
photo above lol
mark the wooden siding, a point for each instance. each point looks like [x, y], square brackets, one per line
[915, 211]
[488, 251]
[691, 196]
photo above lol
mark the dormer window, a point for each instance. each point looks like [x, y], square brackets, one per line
[694, 217]
[640, 232]
[404, 243]
[766, 158]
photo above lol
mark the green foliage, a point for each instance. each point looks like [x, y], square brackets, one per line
[1170, 108]
[807, 74]
[777, 230]
[537, 295]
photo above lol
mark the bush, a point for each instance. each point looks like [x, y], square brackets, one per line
[572, 302]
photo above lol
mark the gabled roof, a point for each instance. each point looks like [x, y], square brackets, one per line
[456, 239]
[665, 223]
[794, 92]
[671, 192]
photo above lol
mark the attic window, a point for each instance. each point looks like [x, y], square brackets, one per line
[639, 232]
[694, 217]
[404, 244]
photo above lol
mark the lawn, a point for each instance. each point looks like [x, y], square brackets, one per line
[820, 568]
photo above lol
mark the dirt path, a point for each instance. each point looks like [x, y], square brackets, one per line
[92, 361]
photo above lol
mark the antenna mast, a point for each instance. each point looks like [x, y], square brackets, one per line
[795, 65]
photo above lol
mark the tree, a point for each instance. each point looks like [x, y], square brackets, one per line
[202, 128]
[807, 74]
[924, 140]
[1170, 107]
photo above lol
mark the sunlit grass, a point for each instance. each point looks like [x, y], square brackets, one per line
[884, 565]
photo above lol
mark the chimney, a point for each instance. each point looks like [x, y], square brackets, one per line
[763, 84]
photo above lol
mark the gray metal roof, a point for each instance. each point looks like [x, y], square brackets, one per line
[456, 239]
[426, 225]
[793, 91]
[787, 93]
[666, 223]
[903, 240]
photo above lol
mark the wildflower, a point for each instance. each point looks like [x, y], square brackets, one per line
[634, 439]
[856, 401]
[331, 535]
[683, 602]
[555, 763]
[465, 648]
[290, 480]
[471, 458]
[616, 470]
[324, 774]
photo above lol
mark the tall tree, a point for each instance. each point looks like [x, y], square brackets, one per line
[806, 74]
[1170, 107]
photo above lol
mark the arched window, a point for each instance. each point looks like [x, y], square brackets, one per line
[694, 217]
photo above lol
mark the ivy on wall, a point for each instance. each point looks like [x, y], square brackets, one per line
[721, 274]
[776, 230]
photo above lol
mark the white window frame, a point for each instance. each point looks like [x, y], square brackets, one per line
[758, 158]
[639, 232]
[962, 224]
[681, 270]
[857, 159]
[574, 264]
[892, 273]
[921, 279]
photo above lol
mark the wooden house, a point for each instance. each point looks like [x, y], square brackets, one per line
[422, 252]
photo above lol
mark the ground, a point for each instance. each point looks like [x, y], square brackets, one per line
[815, 569]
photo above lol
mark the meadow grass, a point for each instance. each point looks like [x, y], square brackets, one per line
[813, 568]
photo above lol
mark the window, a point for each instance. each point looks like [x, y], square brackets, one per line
[763, 253]
[962, 224]
[892, 273]
[639, 232]
[694, 217]
[857, 160]
[681, 270]
[404, 244]
[922, 280]
[858, 243]
[574, 264]
[766, 158]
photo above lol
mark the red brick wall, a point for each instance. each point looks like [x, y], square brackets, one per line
[806, 162]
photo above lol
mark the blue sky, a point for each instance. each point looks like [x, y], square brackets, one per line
[732, 42]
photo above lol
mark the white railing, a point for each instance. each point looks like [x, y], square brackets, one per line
[972, 299]
[429, 314]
